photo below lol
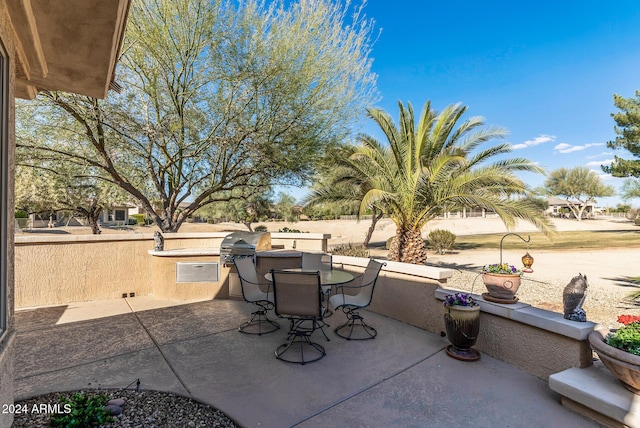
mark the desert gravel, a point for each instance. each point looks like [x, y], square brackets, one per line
[145, 409]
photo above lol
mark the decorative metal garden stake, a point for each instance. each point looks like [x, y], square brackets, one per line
[523, 258]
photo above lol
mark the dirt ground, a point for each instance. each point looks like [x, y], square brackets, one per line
[608, 270]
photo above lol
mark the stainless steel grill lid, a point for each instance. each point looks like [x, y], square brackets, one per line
[243, 243]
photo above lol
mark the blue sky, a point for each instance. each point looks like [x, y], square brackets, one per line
[545, 71]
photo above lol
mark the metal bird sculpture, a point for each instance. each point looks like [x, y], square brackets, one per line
[573, 298]
[158, 240]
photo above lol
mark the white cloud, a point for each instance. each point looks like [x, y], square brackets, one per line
[600, 154]
[562, 146]
[602, 162]
[603, 176]
[538, 140]
[568, 148]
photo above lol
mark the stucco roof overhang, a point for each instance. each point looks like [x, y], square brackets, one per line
[67, 45]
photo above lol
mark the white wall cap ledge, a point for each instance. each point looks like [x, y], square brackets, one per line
[431, 272]
[530, 315]
[186, 252]
[26, 238]
[194, 235]
[131, 236]
[287, 235]
[62, 239]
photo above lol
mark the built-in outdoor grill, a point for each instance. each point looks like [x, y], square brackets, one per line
[243, 243]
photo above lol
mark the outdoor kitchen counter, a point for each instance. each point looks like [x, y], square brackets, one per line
[166, 282]
[279, 253]
[187, 252]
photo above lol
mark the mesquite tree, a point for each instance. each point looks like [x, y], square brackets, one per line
[220, 101]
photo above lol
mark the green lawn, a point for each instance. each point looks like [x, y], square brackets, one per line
[561, 240]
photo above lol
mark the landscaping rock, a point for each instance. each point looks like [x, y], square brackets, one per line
[113, 409]
[116, 402]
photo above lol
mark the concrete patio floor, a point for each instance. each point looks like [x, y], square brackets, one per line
[403, 378]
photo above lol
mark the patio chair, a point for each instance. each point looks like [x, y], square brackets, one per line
[253, 292]
[316, 261]
[298, 298]
[351, 303]
[319, 261]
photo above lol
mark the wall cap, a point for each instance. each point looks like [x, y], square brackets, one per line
[431, 272]
[530, 315]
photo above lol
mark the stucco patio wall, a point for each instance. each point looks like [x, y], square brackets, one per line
[60, 270]
[55, 270]
[541, 352]
[538, 341]
[403, 291]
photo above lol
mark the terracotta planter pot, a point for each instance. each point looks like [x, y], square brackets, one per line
[502, 286]
[462, 324]
[623, 365]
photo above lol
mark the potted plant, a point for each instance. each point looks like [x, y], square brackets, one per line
[462, 324]
[502, 281]
[619, 351]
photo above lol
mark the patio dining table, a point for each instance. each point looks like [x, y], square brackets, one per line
[328, 279]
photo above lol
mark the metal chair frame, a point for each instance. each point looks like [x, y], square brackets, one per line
[319, 261]
[309, 310]
[252, 293]
[354, 320]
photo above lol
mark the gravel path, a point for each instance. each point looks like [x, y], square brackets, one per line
[145, 409]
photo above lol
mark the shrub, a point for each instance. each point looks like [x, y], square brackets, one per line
[350, 250]
[287, 230]
[139, 218]
[21, 214]
[388, 244]
[626, 338]
[637, 221]
[260, 228]
[441, 240]
[83, 411]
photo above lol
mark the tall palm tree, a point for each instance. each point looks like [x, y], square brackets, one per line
[435, 165]
[342, 186]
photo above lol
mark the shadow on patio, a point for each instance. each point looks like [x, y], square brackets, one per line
[402, 378]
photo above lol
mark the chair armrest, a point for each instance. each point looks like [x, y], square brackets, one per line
[352, 284]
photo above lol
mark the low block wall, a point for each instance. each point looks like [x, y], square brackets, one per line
[62, 270]
[56, 270]
[538, 341]
[404, 292]
[300, 241]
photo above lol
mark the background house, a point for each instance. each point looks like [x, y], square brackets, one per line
[560, 208]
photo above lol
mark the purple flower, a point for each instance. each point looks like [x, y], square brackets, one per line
[504, 268]
[459, 299]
